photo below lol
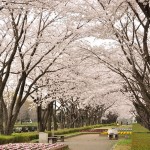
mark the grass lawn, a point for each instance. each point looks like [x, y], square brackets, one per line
[139, 128]
[124, 126]
[139, 140]
[123, 144]
[122, 147]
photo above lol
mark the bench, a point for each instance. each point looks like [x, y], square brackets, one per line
[60, 137]
[55, 138]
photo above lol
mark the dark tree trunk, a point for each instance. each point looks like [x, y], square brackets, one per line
[39, 119]
[1, 115]
[1, 107]
[62, 119]
[11, 122]
[49, 121]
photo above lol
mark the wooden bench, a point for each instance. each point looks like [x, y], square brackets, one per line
[55, 138]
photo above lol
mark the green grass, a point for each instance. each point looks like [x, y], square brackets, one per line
[141, 141]
[139, 128]
[124, 142]
[125, 126]
[140, 138]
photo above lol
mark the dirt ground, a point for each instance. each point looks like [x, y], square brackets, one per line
[90, 142]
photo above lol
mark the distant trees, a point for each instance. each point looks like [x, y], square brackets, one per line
[25, 113]
[111, 117]
[75, 99]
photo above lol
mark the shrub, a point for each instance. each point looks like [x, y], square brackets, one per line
[6, 139]
[18, 138]
[29, 136]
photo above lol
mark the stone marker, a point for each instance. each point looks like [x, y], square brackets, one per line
[43, 137]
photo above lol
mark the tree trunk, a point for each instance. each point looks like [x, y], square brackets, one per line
[49, 122]
[39, 119]
[9, 128]
[54, 117]
[1, 107]
[55, 122]
[61, 119]
[11, 122]
[1, 115]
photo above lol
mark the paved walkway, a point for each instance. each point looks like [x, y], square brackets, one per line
[90, 142]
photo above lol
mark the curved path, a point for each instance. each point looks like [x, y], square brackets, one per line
[90, 142]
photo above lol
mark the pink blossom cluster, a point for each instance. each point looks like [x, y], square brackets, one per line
[30, 146]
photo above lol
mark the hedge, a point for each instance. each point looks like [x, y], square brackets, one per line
[29, 136]
[18, 138]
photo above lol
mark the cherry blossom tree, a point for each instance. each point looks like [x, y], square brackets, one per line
[127, 23]
[98, 88]
[81, 90]
[31, 42]
[44, 55]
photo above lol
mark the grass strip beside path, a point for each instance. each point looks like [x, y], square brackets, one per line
[140, 138]
[123, 144]
[138, 128]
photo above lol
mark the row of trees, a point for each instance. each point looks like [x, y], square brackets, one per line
[69, 103]
[36, 39]
[69, 115]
